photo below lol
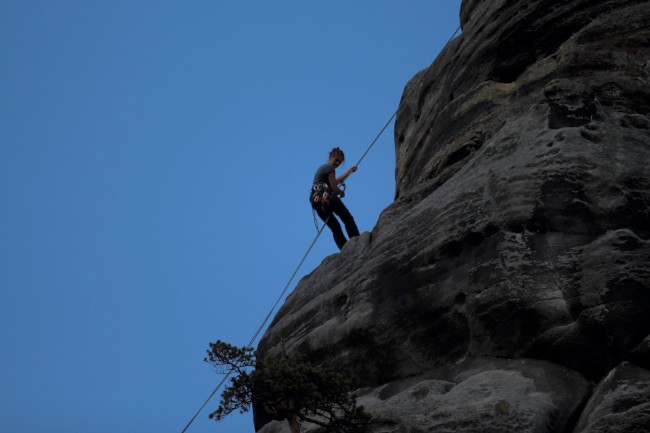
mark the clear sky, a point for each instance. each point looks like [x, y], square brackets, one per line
[155, 161]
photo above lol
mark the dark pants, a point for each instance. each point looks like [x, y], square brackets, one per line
[337, 207]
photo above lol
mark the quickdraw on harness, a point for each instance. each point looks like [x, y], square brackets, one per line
[321, 194]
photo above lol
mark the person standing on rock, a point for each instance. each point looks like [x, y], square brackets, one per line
[326, 194]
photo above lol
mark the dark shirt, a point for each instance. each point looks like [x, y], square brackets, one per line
[322, 174]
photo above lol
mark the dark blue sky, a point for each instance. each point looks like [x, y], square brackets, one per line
[155, 160]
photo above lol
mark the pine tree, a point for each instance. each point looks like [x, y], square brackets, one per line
[287, 388]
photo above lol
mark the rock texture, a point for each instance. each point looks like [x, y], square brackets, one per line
[511, 276]
[486, 395]
[620, 404]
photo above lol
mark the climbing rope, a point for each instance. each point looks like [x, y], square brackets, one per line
[268, 316]
[406, 98]
[259, 330]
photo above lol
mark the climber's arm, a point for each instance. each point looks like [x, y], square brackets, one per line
[334, 184]
[345, 175]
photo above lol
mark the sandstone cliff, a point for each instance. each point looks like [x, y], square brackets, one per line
[507, 288]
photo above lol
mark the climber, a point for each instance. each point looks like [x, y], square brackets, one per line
[325, 201]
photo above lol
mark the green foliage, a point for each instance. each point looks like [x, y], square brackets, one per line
[225, 357]
[286, 388]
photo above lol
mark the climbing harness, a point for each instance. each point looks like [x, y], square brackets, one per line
[268, 316]
[321, 194]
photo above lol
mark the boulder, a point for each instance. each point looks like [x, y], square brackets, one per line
[482, 396]
[620, 403]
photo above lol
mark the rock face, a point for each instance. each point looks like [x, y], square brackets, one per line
[507, 288]
[620, 404]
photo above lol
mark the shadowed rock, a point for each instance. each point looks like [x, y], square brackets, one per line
[520, 231]
[620, 404]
